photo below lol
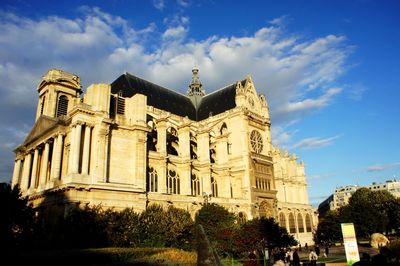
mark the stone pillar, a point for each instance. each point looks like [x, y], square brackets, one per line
[203, 155]
[26, 171]
[184, 151]
[53, 158]
[162, 178]
[162, 137]
[86, 150]
[71, 149]
[34, 168]
[17, 170]
[45, 164]
[58, 157]
[77, 148]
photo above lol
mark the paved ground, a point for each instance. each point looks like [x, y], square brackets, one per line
[339, 252]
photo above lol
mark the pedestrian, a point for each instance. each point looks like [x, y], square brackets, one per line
[296, 258]
[312, 257]
[327, 250]
[306, 247]
[317, 250]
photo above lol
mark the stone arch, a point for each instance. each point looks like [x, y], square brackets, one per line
[282, 220]
[241, 218]
[308, 223]
[62, 105]
[300, 223]
[266, 209]
[223, 129]
[173, 182]
[152, 134]
[292, 223]
[172, 141]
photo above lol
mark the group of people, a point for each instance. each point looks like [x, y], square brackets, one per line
[291, 256]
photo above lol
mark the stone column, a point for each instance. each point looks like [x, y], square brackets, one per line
[162, 177]
[57, 163]
[26, 171]
[184, 151]
[203, 155]
[45, 164]
[53, 157]
[76, 148]
[17, 170]
[86, 150]
[34, 168]
[162, 137]
[71, 149]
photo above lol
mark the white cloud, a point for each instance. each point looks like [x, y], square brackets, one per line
[311, 143]
[382, 167]
[159, 4]
[297, 75]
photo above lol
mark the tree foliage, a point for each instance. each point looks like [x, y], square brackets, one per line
[369, 211]
[17, 223]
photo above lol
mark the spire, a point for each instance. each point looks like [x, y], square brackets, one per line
[195, 86]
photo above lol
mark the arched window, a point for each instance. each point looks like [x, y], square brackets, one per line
[300, 223]
[195, 185]
[152, 182]
[282, 220]
[214, 187]
[224, 129]
[172, 141]
[173, 183]
[308, 223]
[241, 218]
[62, 107]
[193, 147]
[292, 224]
[152, 134]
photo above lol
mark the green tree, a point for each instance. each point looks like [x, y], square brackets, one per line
[153, 226]
[329, 230]
[368, 211]
[122, 227]
[259, 232]
[179, 228]
[219, 225]
[17, 224]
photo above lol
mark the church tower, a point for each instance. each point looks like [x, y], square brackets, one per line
[57, 90]
[195, 91]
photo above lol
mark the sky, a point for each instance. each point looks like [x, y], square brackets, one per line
[329, 69]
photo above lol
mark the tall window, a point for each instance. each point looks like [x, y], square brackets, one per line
[62, 107]
[292, 224]
[173, 182]
[152, 181]
[282, 220]
[42, 105]
[120, 104]
[300, 223]
[195, 185]
[241, 219]
[214, 187]
[308, 223]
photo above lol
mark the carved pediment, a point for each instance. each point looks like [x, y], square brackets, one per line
[43, 125]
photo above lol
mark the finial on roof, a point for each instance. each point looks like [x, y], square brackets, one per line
[195, 86]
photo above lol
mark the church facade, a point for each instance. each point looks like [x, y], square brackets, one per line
[132, 143]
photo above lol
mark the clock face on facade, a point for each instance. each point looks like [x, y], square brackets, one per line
[256, 141]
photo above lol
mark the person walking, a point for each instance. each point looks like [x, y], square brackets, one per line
[312, 257]
[296, 258]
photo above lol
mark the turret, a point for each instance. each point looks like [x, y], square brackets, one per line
[58, 92]
[195, 91]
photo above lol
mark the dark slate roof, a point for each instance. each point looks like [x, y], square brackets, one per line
[168, 100]
[217, 102]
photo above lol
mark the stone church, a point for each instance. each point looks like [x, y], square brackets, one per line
[132, 143]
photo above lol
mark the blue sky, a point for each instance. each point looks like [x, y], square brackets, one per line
[329, 69]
